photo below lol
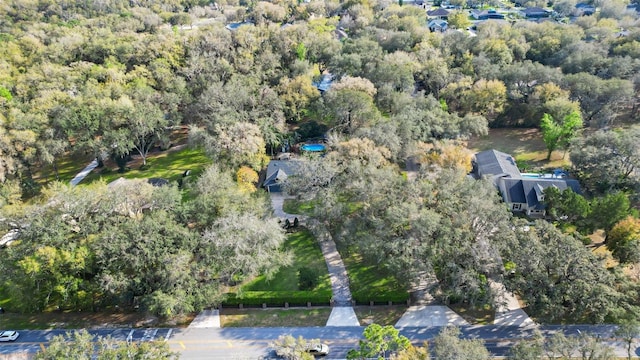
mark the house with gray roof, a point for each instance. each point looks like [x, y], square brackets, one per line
[277, 173]
[438, 25]
[584, 9]
[535, 13]
[439, 13]
[521, 192]
[490, 14]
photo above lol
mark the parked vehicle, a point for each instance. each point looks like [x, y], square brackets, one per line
[318, 349]
[9, 335]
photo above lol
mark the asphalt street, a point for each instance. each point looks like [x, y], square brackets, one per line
[32, 341]
[253, 343]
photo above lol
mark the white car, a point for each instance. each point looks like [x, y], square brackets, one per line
[318, 349]
[9, 335]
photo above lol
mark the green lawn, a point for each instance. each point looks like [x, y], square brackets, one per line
[78, 320]
[381, 315]
[274, 317]
[292, 206]
[306, 253]
[68, 167]
[475, 316]
[371, 282]
[169, 165]
[525, 145]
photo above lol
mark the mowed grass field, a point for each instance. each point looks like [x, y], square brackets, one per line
[525, 145]
[306, 253]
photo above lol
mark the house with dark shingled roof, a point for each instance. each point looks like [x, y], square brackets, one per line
[521, 192]
[277, 173]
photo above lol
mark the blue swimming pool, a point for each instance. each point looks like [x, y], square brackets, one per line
[313, 147]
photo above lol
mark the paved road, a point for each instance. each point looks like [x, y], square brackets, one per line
[33, 340]
[253, 343]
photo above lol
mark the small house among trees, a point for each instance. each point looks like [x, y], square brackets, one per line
[438, 25]
[521, 192]
[584, 9]
[277, 173]
[440, 13]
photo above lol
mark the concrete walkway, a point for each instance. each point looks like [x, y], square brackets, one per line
[206, 319]
[342, 313]
[343, 316]
[82, 174]
[508, 309]
[430, 315]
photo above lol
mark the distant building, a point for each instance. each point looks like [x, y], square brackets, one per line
[438, 25]
[440, 13]
[583, 9]
[535, 13]
[325, 83]
[634, 7]
[487, 15]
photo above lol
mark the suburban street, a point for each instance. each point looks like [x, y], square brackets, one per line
[253, 343]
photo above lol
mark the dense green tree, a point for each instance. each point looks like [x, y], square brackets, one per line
[560, 279]
[290, 348]
[559, 134]
[607, 160]
[413, 353]
[607, 210]
[81, 345]
[583, 345]
[349, 104]
[601, 99]
[379, 342]
[529, 349]
[459, 20]
[624, 240]
[449, 346]
[628, 331]
[566, 206]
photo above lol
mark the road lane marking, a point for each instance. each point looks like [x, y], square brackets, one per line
[42, 346]
[229, 344]
[166, 338]
[182, 344]
[130, 336]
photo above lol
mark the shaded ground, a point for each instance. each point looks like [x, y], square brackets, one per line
[306, 253]
[274, 317]
[525, 144]
[76, 320]
[70, 164]
[473, 315]
[382, 315]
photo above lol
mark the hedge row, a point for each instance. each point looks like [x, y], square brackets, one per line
[365, 297]
[278, 298]
[316, 298]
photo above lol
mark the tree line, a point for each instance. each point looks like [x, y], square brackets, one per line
[112, 78]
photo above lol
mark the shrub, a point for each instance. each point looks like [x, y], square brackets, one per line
[278, 298]
[366, 296]
[308, 278]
